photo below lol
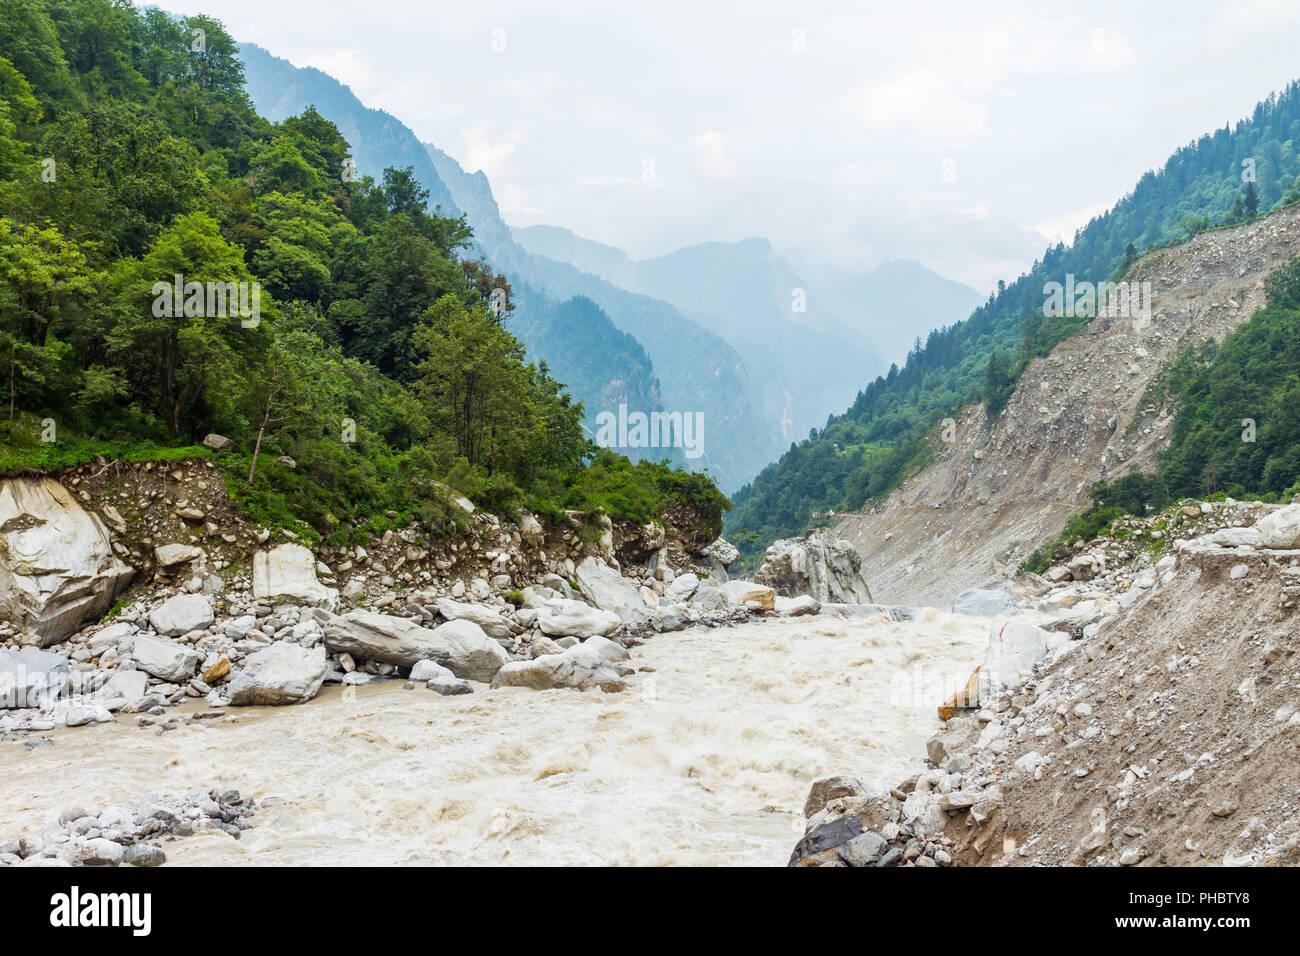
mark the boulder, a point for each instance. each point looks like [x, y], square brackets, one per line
[982, 602]
[283, 673]
[219, 442]
[817, 564]
[170, 557]
[610, 591]
[1015, 646]
[563, 618]
[165, 659]
[669, 617]
[491, 620]
[57, 567]
[1241, 537]
[717, 559]
[682, 588]
[709, 597]
[803, 605]
[741, 593]
[181, 614]
[287, 575]
[31, 678]
[834, 788]
[460, 646]
[124, 685]
[1280, 530]
[425, 671]
[584, 666]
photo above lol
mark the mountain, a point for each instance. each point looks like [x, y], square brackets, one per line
[893, 304]
[614, 368]
[564, 245]
[880, 440]
[279, 90]
[1090, 411]
[803, 362]
[699, 372]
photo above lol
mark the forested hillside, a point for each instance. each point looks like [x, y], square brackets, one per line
[172, 264]
[1236, 173]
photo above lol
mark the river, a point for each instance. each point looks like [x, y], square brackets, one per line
[707, 760]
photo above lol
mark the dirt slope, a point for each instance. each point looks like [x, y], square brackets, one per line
[995, 493]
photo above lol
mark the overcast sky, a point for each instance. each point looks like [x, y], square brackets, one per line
[963, 134]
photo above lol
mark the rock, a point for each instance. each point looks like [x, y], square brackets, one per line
[1057, 574]
[1015, 646]
[965, 699]
[669, 617]
[1280, 530]
[816, 564]
[682, 588]
[165, 659]
[801, 606]
[353, 591]
[493, 624]
[957, 736]
[826, 789]
[287, 462]
[828, 836]
[450, 686]
[740, 593]
[460, 646]
[724, 552]
[563, 618]
[425, 671]
[584, 666]
[217, 671]
[142, 854]
[219, 442]
[126, 685]
[983, 602]
[169, 557]
[610, 591]
[31, 678]
[866, 849]
[709, 597]
[181, 614]
[99, 852]
[57, 567]
[1236, 537]
[283, 673]
[287, 575]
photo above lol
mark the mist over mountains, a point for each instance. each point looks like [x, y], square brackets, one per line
[730, 330]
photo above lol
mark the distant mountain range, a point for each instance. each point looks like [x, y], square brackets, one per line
[727, 329]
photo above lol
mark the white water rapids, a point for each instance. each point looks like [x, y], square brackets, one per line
[707, 760]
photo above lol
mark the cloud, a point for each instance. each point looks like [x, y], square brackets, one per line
[482, 149]
[715, 154]
[923, 105]
[1062, 228]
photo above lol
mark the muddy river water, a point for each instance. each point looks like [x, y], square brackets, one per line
[706, 760]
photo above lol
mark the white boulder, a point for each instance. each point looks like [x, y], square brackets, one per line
[57, 567]
[610, 591]
[165, 659]
[287, 575]
[283, 673]
[1280, 530]
[584, 666]
[560, 617]
[181, 614]
[460, 646]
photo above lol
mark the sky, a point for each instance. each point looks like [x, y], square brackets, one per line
[965, 135]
